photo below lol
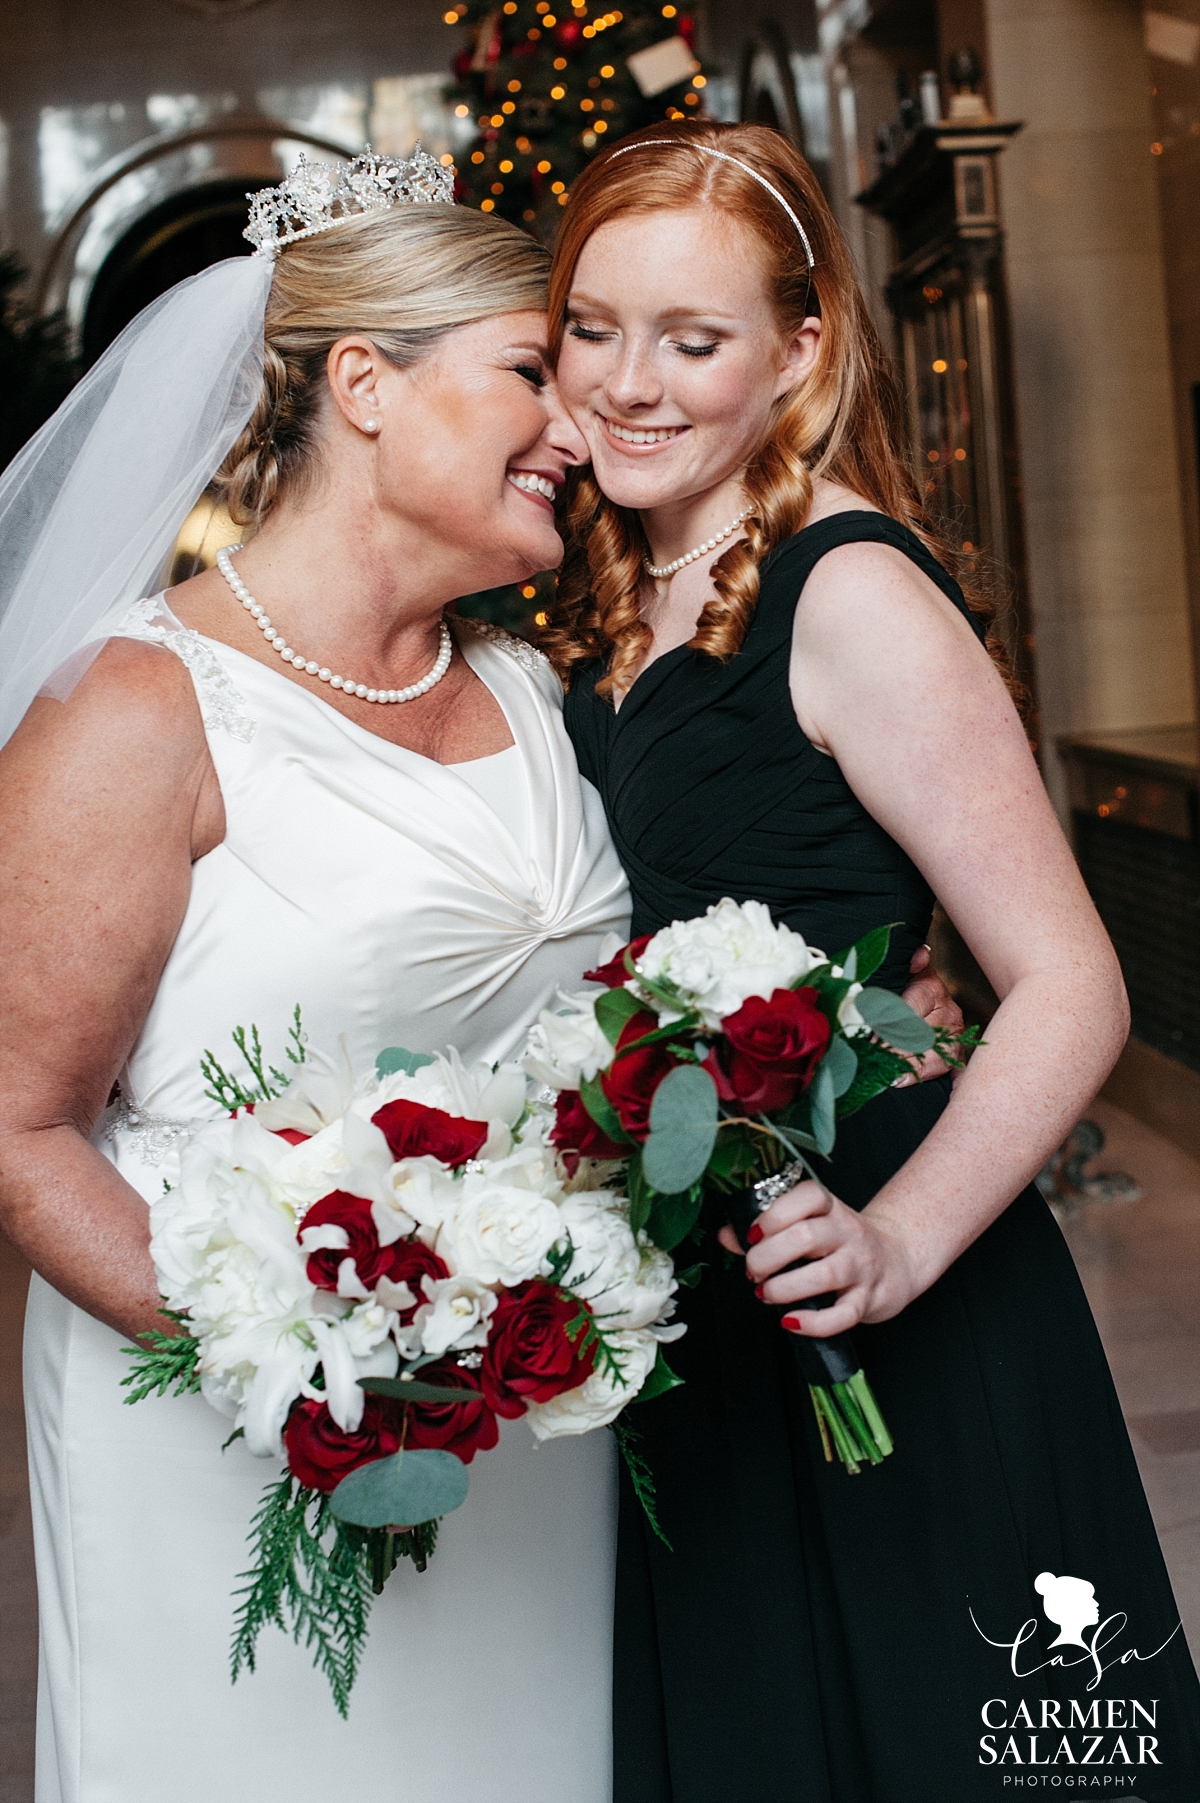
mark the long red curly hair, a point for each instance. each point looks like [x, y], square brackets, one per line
[843, 422]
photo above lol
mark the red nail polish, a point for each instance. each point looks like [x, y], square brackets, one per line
[755, 1234]
[792, 1323]
[758, 1291]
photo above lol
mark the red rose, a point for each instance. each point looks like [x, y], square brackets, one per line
[371, 1260]
[576, 1134]
[772, 1050]
[463, 1428]
[528, 1357]
[630, 1081]
[404, 1261]
[411, 1261]
[614, 974]
[321, 1454]
[414, 1131]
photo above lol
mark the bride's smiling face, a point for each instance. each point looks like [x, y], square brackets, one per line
[672, 357]
[473, 443]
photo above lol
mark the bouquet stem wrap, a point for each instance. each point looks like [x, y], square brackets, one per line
[849, 1418]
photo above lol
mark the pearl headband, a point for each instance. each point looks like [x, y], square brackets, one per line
[647, 143]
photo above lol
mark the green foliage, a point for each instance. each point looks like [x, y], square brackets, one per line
[614, 1010]
[672, 1218]
[601, 1110]
[166, 1365]
[660, 1380]
[683, 1129]
[878, 1067]
[549, 87]
[37, 364]
[404, 1486]
[317, 1589]
[866, 954]
[395, 1058]
[228, 1090]
[898, 1025]
[640, 1475]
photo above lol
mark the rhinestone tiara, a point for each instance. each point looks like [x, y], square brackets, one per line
[317, 196]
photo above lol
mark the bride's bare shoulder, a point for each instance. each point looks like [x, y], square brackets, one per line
[129, 726]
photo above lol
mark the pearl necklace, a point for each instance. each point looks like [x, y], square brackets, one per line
[347, 685]
[710, 544]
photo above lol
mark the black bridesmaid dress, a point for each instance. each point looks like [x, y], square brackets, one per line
[814, 1637]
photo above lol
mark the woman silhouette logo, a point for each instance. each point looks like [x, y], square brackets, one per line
[1070, 1603]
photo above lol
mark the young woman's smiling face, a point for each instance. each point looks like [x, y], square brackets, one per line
[672, 357]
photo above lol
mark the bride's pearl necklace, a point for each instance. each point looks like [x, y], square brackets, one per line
[346, 683]
[710, 544]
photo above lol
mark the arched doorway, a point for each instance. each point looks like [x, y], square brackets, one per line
[178, 238]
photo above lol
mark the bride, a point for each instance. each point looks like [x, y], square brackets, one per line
[290, 780]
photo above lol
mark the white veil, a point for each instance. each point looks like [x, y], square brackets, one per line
[91, 506]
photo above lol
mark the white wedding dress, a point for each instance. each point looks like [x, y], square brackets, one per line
[399, 902]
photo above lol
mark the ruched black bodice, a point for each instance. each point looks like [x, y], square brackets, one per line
[814, 1637]
[712, 789]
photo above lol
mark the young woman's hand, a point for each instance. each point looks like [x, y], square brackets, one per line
[863, 1260]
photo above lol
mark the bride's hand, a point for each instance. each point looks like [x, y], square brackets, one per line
[929, 997]
[862, 1260]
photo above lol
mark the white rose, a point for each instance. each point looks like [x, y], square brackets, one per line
[455, 1316]
[566, 1045]
[732, 952]
[600, 1399]
[628, 1283]
[497, 1232]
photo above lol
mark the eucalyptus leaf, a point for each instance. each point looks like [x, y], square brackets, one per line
[614, 1010]
[394, 1058]
[850, 964]
[841, 1061]
[895, 1022]
[406, 1487]
[821, 1101]
[412, 1389]
[683, 1128]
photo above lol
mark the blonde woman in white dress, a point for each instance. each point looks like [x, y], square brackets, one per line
[385, 826]
[205, 834]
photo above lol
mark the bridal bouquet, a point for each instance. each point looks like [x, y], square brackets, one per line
[365, 1276]
[720, 1053]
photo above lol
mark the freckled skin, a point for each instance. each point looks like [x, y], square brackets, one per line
[887, 677]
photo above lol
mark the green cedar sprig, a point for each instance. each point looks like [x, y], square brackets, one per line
[166, 1364]
[640, 1475]
[229, 1092]
[317, 1591]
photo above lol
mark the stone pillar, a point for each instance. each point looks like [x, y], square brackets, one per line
[1092, 368]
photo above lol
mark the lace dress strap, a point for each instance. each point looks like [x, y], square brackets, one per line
[221, 703]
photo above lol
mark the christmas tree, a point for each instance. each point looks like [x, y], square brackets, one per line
[549, 82]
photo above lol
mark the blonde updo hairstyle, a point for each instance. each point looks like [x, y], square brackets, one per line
[402, 278]
[843, 421]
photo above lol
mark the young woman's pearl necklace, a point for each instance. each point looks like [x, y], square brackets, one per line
[710, 544]
[347, 685]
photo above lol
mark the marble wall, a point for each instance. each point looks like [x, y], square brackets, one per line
[1099, 451]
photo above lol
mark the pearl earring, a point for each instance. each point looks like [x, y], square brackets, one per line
[371, 425]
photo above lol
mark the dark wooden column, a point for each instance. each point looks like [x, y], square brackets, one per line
[947, 297]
